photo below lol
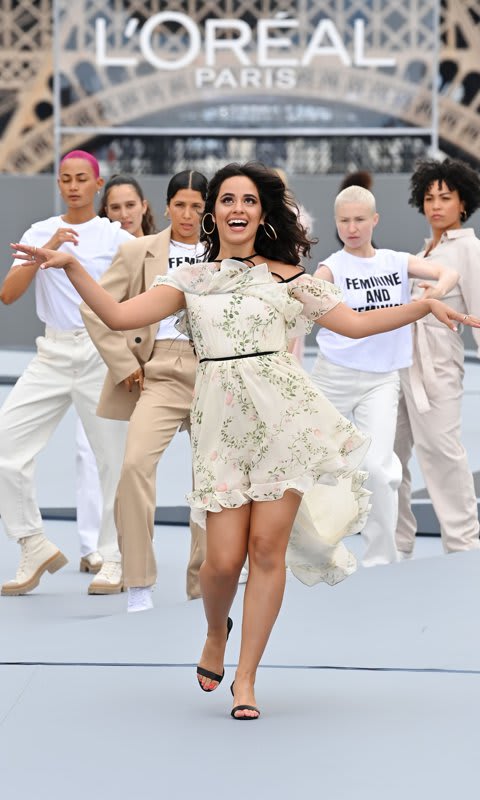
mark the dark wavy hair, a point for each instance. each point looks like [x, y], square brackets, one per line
[187, 179]
[279, 207]
[454, 174]
[148, 220]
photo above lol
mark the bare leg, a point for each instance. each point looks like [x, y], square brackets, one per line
[227, 537]
[270, 527]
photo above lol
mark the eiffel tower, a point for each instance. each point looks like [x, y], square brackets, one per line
[26, 72]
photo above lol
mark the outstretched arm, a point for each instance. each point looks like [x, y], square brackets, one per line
[344, 320]
[446, 278]
[18, 279]
[145, 309]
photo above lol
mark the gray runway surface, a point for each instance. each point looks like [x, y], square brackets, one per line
[370, 689]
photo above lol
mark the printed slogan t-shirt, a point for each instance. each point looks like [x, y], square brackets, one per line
[367, 284]
[178, 255]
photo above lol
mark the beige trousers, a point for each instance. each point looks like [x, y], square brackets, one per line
[429, 417]
[163, 406]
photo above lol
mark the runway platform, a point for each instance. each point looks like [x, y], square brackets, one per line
[370, 689]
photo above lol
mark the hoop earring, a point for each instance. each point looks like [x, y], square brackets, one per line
[208, 233]
[273, 235]
[463, 216]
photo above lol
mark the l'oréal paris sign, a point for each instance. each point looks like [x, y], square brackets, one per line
[256, 65]
[230, 54]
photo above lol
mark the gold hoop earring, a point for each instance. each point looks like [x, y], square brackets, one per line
[208, 233]
[273, 235]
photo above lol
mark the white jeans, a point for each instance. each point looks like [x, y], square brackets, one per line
[66, 369]
[89, 493]
[370, 400]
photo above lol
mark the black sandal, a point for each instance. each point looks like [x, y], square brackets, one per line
[243, 708]
[213, 676]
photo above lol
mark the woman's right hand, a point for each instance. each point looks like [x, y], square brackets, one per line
[61, 236]
[42, 257]
[135, 377]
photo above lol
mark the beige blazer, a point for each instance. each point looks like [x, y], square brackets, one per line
[132, 272]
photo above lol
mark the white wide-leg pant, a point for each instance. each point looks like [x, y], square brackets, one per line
[89, 493]
[370, 400]
[66, 369]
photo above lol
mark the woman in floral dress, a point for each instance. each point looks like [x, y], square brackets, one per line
[262, 434]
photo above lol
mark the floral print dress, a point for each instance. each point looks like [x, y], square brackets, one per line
[259, 424]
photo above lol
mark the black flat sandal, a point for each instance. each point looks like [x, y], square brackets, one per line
[243, 708]
[214, 676]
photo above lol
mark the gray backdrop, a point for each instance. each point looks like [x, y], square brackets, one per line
[30, 198]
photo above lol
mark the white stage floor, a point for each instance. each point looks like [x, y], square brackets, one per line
[369, 689]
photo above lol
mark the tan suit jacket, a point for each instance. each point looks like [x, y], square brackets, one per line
[132, 272]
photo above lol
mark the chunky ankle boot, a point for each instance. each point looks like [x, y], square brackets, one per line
[91, 563]
[38, 556]
[108, 580]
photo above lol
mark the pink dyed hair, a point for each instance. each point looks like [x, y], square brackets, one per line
[86, 157]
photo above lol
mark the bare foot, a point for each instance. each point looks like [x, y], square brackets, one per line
[212, 658]
[244, 695]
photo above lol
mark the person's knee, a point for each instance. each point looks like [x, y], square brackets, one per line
[10, 459]
[263, 554]
[133, 470]
[224, 566]
[384, 475]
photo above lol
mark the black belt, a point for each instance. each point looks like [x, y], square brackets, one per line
[243, 355]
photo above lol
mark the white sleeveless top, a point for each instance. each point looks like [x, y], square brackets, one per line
[367, 284]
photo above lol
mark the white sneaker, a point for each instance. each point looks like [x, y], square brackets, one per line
[404, 556]
[139, 599]
[91, 563]
[38, 556]
[243, 575]
[109, 580]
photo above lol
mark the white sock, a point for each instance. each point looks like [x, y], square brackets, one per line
[139, 598]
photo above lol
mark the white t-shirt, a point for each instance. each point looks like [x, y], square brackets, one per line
[367, 284]
[178, 255]
[57, 300]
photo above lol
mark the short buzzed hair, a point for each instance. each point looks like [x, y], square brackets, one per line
[355, 194]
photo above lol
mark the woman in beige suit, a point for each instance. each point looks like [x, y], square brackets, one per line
[150, 382]
[122, 201]
[429, 413]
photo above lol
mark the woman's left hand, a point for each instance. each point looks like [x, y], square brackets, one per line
[432, 292]
[41, 257]
[450, 317]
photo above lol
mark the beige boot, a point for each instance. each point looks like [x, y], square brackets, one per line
[38, 556]
[109, 580]
[91, 563]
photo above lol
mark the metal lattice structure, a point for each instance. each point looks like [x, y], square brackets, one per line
[26, 69]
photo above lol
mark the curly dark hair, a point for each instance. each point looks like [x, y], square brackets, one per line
[455, 174]
[148, 220]
[279, 206]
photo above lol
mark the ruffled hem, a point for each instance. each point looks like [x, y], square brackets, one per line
[342, 564]
[315, 552]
